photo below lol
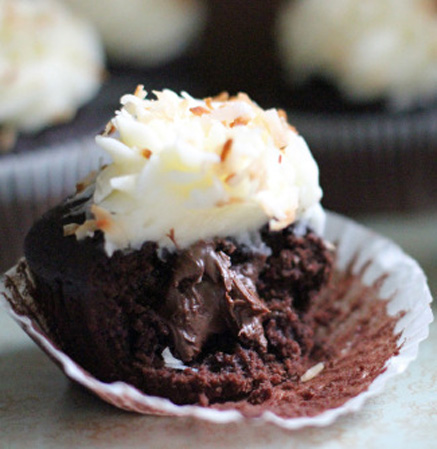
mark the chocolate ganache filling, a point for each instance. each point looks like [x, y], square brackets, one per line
[206, 297]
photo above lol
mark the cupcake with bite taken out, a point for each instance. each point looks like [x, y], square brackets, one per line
[193, 268]
[176, 249]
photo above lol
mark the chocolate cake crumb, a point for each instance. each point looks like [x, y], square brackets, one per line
[353, 339]
[115, 316]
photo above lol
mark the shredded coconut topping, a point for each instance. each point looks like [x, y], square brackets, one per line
[185, 169]
[370, 49]
[51, 63]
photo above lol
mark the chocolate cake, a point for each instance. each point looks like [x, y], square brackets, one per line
[231, 315]
[317, 337]
[193, 268]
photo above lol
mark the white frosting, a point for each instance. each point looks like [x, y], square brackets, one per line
[50, 64]
[144, 32]
[369, 49]
[186, 169]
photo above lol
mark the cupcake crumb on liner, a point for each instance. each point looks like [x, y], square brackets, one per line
[375, 260]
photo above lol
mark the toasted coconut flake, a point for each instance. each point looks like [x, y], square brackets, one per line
[109, 129]
[239, 121]
[146, 153]
[208, 103]
[282, 114]
[140, 92]
[103, 220]
[226, 150]
[241, 96]
[199, 110]
[231, 200]
[86, 229]
[222, 96]
[312, 372]
[70, 229]
[229, 177]
[171, 236]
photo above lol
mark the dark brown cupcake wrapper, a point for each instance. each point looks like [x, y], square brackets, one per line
[378, 162]
[31, 183]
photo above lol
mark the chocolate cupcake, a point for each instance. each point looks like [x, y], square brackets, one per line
[208, 207]
[194, 269]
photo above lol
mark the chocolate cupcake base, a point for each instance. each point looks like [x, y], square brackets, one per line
[379, 300]
[238, 320]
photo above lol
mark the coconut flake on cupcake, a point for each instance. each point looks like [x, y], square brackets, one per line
[371, 51]
[144, 33]
[51, 63]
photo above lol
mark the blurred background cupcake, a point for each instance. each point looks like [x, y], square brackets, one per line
[144, 33]
[377, 52]
[360, 82]
[51, 64]
[51, 70]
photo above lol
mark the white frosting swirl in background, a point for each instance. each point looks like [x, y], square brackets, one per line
[185, 169]
[51, 63]
[144, 32]
[370, 49]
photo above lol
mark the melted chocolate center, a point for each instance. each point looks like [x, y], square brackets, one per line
[206, 297]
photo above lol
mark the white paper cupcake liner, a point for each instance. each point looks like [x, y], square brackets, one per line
[404, 286]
